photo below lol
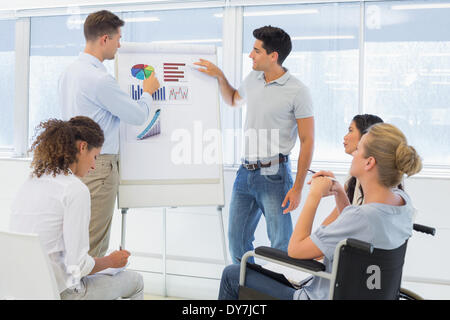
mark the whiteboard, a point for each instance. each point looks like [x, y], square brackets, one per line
[175, 158]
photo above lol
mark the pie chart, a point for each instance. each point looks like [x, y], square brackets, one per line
[141, 71]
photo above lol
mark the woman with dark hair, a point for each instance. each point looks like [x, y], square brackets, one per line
[56, 204]
[359, 126]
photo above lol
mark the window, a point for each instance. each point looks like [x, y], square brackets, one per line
[407, 72]
[7, 61]
[194, 26]
[55, 43]
[404, 76]
[325, 57]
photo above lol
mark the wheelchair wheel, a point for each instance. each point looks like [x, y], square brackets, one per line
[406, 294]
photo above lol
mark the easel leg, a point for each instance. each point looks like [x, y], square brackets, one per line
[164, 252]
[124, 227]
[222, 234]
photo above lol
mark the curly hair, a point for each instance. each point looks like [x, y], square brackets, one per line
[55, 148]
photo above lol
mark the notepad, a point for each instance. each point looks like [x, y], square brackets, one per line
[295, 277]
[112, 271]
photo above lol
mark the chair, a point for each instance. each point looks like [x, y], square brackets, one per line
[25, 269]
[359, 271]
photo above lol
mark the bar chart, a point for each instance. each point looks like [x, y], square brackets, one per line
[135, 91]
[174, 72]
[160, 94]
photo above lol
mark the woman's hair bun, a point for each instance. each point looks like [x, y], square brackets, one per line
[407, 159]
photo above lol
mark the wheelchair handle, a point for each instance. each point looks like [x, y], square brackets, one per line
[424, 229]
[361, 245]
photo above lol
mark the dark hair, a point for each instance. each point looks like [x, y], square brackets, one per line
[362, 122]
[274, 39]
[55, 148]
[100, 23]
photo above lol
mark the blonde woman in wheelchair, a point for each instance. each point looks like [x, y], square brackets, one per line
[385, 219]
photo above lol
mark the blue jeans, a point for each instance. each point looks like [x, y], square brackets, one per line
[255, 194]
[229, 284]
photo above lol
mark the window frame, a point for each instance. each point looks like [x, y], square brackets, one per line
[8, 151]
[232, 65]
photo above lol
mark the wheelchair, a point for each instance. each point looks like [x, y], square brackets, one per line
[349, 277]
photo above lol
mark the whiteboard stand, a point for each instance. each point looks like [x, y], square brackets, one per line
[222, 234]
[164, 255]
[164, 248]
[197, 111]
[124, 228]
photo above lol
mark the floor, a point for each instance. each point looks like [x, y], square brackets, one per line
[154, 297]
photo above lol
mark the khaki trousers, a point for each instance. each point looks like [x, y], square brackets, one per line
[103, 183]
[126, 284]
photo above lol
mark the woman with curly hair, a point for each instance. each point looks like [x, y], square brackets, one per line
[55, 204]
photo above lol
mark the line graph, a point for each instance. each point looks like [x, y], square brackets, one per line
[179, 93]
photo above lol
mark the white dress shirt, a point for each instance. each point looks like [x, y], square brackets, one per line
[87, 89]
[58, 209]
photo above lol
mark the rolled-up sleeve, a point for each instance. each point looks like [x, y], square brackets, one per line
[77, 261]
[111, 97]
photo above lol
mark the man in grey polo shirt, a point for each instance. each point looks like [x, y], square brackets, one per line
[279, 108]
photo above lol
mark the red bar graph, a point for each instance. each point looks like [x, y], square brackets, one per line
[173, 71]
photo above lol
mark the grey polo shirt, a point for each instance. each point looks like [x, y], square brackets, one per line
[272, 109]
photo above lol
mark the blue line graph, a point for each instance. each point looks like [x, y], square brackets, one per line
[153, 128]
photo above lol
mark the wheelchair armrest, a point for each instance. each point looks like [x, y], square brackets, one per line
[424, 229]
[282, 256]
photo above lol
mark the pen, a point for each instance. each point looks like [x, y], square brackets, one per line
[313, 172]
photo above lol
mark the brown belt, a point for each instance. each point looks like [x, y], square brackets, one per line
[258, 164]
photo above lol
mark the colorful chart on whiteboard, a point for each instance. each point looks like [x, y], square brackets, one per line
[174, 92]
[173, 78]
[177, 148]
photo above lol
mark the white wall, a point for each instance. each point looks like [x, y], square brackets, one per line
[195, 233]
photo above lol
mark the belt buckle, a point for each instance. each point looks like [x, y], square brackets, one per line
[266, 165]
[251, 166]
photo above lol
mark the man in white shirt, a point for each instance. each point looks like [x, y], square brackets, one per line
[86, 88]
